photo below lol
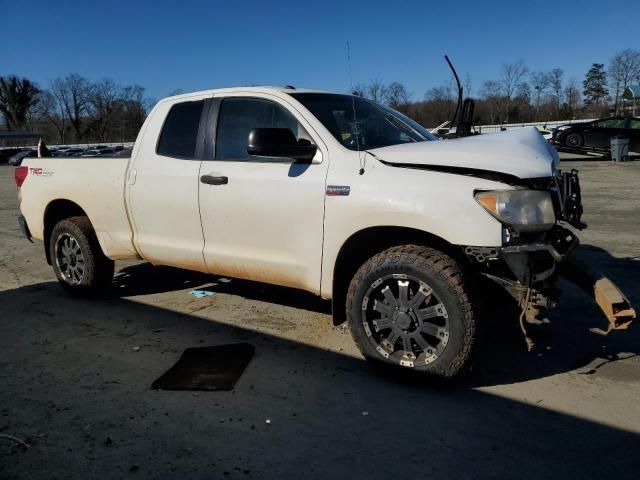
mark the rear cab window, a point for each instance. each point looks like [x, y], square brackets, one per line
[179, 135]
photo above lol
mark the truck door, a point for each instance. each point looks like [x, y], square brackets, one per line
[262, 217]
[163, 186]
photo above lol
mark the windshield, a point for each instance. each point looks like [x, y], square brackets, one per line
[374, 126]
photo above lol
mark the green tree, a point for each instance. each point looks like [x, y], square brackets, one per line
[595, 85]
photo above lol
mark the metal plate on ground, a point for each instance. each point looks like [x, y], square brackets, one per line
[207, 368]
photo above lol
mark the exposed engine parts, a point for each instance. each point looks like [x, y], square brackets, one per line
[529, 273]
[481, 254]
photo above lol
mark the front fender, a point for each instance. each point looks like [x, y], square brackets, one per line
[439, 204]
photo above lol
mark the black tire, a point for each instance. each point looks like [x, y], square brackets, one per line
[573, 140]
[77, 259]
[455, 318]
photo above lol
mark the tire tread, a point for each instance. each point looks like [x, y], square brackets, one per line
[452, 273]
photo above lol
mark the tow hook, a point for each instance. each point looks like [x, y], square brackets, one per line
[619, 312]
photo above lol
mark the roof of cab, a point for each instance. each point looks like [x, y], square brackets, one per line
[264, 89]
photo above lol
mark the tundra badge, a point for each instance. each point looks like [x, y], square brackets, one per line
[338, 190]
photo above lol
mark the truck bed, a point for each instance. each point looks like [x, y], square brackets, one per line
[95, 183]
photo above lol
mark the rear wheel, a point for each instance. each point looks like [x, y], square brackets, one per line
[409, 307]
[77, 259]
[574, 140]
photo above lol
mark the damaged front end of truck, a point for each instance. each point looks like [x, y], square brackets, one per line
[529, 263]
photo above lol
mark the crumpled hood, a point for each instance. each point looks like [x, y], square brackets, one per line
[522, 153]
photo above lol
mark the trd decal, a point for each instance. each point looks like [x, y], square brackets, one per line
[40, 172]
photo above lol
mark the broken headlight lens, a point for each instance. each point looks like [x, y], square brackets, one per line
[524, 210]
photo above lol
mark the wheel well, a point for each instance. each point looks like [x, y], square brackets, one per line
[58, 210]
[365, 244]
[574, 132]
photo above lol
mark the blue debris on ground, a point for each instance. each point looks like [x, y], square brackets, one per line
[202, 293]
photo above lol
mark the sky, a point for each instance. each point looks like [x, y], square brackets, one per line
[193, 45]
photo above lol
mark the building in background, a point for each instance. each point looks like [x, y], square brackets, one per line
[631, 100]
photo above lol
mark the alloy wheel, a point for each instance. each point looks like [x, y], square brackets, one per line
[405, 320]
[69, 258]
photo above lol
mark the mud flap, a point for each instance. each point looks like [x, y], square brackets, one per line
[609, 298]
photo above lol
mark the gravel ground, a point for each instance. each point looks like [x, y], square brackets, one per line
[75, 385]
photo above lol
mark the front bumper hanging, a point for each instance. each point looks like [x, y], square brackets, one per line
[533, 270]
[607, 296]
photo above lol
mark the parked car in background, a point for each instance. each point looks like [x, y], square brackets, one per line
[100, 152]
[69, 152]
[125, 152]
[546, 134]
[16, 159]
[598, 134]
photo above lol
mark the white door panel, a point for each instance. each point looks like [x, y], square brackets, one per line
[164, 206]
[266, 223]
[163, 202]
[262, 217]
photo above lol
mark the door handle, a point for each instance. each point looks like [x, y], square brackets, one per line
[211, 180]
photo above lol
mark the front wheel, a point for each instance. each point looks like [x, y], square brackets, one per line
[78, 261]
[574, 140]
[409, 306]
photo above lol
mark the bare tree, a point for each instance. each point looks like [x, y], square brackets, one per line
[540, 82]
[468, 86]
[523, 91]
[102, 98]
[624, 66]
[48, 110]
[18, 96]
[572, 96]
[376, 91]
[437, 93]
[493, 93]
[440, 102]
[397, 95]
[512, 75]
[135, 107]
[72, 93]
[58, 116]
[555, 82]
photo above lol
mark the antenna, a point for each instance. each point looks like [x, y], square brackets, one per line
[355, 120]
[460, 91]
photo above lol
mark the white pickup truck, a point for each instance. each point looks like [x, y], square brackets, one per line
[323, 192]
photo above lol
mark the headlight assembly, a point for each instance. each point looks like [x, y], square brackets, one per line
[524, 210]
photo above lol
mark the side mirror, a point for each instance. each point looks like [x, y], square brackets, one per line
[279, 142]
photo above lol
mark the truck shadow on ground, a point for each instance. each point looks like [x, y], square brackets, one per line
[566, 344]
[145, 279]
[76, 376]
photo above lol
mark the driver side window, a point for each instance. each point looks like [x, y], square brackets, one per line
[238, 116]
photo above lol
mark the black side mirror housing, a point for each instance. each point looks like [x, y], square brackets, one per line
[279, 142]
